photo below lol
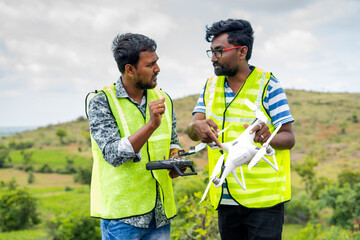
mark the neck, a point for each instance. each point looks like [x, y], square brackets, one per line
[134, 93]
[235, 82]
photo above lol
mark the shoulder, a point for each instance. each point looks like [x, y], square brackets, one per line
[98, 102]
[274, 87]
[99, 97]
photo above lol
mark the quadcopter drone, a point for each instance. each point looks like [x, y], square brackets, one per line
[240, 151]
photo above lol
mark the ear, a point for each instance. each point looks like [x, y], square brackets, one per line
[130, 70]
[243, 52]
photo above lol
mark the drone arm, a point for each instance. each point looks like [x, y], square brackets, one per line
[243, 186]
[206, 191]
[274, 166]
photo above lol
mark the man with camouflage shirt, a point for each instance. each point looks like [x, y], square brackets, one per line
[132, 123]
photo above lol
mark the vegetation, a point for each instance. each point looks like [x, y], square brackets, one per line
[55, 169]
[17, 208]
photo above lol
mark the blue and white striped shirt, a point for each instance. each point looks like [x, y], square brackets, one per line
[275, 103]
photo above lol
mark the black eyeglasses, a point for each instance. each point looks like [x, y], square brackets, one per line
[218, 52]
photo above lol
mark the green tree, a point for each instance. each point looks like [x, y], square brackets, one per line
[17, 208]
[348, 176]
[345, 202]
[4, 153]
[61, 133]
[31, 177]
[27, 159]
[307, 173]
[83, 176]
[199, 221]
[315, 232]
[86, 135]
[74, 225]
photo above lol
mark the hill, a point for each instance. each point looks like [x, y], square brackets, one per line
[326, 127]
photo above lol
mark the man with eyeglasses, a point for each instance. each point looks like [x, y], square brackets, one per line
[258, 211]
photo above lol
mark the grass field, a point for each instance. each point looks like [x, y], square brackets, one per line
[58, 194]
[55, 194]
[55, 158]
[326, 126]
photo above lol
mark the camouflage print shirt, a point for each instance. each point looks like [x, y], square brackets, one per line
[117, 150]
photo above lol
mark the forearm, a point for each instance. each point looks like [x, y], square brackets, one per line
[285, 139]
[119, 152]
[140, 137]
[104, 130]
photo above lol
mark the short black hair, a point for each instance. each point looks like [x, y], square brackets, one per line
[240, 33]
[126, 48]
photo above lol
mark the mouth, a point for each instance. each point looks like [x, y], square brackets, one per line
[154, 78]
[216, 65]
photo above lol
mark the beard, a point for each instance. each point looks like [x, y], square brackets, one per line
[146, 85]
[224, 71]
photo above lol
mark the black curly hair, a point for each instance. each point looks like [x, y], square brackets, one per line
[126, 48]
[240, 33]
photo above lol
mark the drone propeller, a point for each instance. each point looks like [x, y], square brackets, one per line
[258, 114]
[200, 146]
[215, 172]
[260, 154]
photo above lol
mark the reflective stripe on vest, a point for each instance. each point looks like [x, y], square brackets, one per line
[130, 189]
[265, 187]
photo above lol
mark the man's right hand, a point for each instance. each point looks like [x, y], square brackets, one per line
[156, 110]
[203, 129]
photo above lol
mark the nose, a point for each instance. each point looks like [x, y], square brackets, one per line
[156, 68]
[213, 58]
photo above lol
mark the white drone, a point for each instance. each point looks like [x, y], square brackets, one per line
[241, 151]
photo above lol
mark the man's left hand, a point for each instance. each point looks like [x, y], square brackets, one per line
[262, 132]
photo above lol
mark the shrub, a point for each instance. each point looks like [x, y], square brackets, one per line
[17, 208]
[20, 145]
[315, 232]
[348, 176]
[45, 169]
[4, 153]
[345, 202]
[31, 177]
[79, 226]
[69, 167]
[27, 159]
[83, 176]
[199, 221]
[299, 209]
[61, 133]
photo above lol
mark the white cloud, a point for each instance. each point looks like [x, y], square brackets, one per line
[290, 45]
[61, 49]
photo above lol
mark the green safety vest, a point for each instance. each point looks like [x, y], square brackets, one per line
[130, 190]
[265, 186]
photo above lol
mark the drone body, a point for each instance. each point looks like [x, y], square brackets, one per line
[242, 151]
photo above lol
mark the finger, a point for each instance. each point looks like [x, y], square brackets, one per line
[213, 125]
[173, 174]
[257, 127]
[214, 138]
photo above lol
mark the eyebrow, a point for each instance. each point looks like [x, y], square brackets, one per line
[218, 48]
[152, 62]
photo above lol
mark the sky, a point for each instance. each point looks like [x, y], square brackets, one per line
[53, 52]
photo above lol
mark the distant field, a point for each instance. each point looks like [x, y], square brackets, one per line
[326, 127]
[55, 158]
[56, 194]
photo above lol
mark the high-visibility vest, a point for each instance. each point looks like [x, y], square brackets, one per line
[131, 190]
[265, 186]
